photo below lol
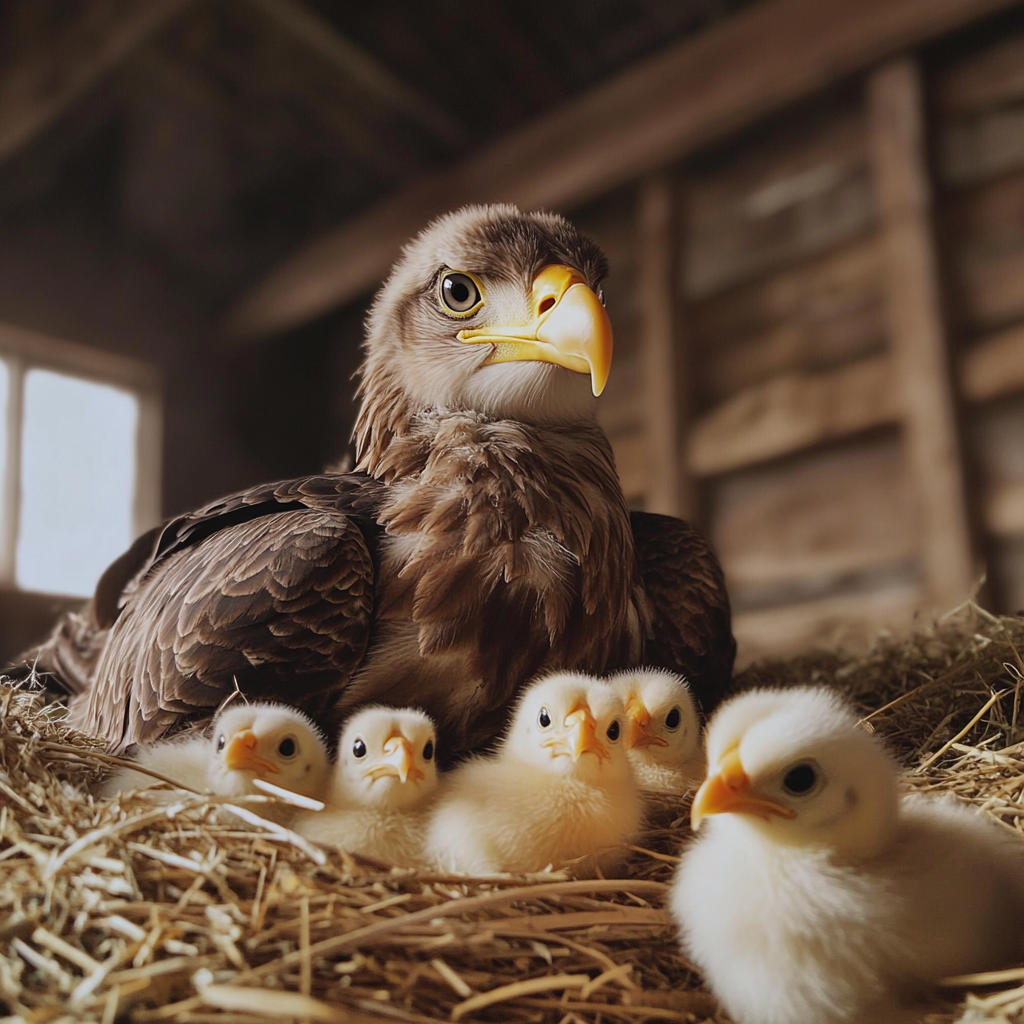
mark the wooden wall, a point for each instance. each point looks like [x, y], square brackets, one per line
[846, 291]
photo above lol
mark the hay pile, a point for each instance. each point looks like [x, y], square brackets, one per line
[134, 910]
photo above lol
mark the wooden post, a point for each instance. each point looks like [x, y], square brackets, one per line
[669, 486]
[917, 331]
[10, 478]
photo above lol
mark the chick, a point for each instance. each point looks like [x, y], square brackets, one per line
[269, 742]
[384, 780]
[662, 729]
[559, 789]
[815, 891]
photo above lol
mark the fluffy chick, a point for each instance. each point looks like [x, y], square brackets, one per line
[559, 789]
[815, 891]
[271, 742]
[384, 780]
[662, 729]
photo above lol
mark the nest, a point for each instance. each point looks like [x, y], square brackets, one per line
[200, 910]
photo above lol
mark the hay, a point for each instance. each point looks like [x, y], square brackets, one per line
[200, 910]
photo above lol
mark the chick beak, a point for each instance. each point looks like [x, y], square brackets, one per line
[727, 791]
[639, 720]
[578, 737]
[570, 328]
[240, 755]
[398, 761]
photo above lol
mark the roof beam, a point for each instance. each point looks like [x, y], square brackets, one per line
[694, 92]
[39, 88]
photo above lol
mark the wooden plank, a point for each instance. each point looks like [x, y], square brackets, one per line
[994, 366]
[793, 411]
[775, 202]
[665, 401]
[814, 519]
[682, 98]
[852, 621]
[920, 357]
[96, 37]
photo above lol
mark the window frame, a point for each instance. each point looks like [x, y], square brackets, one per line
[23, 350]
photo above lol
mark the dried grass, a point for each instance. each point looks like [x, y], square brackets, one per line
[201, 910]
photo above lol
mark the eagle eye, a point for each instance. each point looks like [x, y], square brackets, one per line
[461, 294]
[801, 779]
[288, 747]
[673, 718]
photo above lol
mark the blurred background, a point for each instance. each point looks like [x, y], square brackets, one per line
[813, 209]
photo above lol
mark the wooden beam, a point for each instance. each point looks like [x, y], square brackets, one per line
[665, 405]
[692, 93]
[917, 331]
[994, 366]
[322, 38]
[38, 89]
[791, 412]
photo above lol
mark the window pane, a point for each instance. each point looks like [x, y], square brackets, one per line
[77, 482]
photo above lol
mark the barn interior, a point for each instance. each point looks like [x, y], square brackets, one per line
[813, 211]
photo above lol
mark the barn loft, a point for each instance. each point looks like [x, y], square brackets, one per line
[813, 209]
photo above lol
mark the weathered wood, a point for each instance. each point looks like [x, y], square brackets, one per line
[43, 85]
[852, 621]
[682, 98]
[814, 519]
[777, 202]
[793, 411]
[665, 395]
[920, 356]
[994, 366]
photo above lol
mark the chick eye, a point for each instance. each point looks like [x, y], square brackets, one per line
[359, 749]
[288, 747]
[673, 718]
[428, 751]
[221, 741]
[460, 294]
[800, 779]
[544, 719]
[613, 730]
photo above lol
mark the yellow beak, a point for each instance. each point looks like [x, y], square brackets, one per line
[398, 761]
[639, 720]
[578, 737]
[570, 328]
[727, 791]
[240, 754]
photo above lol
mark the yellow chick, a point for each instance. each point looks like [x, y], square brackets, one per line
[269, 742]
[815, 892]
[384, 780]
[662, 729]
[558, 791]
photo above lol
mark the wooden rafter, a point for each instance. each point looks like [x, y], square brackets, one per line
[694, 92]
[37, 90]
[917, 331]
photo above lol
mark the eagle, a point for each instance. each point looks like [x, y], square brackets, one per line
[482, 537]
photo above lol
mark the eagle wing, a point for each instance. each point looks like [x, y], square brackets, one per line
[691, 620]
[270, 591]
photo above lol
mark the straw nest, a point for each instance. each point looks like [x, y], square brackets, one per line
[130, 909]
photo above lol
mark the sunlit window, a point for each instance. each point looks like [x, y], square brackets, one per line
[79, 461]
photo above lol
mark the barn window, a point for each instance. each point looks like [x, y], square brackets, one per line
[79, 460]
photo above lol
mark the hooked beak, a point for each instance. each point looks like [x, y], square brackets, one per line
[578, 737]
[639, 720]
[727, 791]
[570, 328]
[240, 755]
[398, 761]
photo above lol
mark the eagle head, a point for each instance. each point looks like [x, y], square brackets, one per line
[493, 311]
